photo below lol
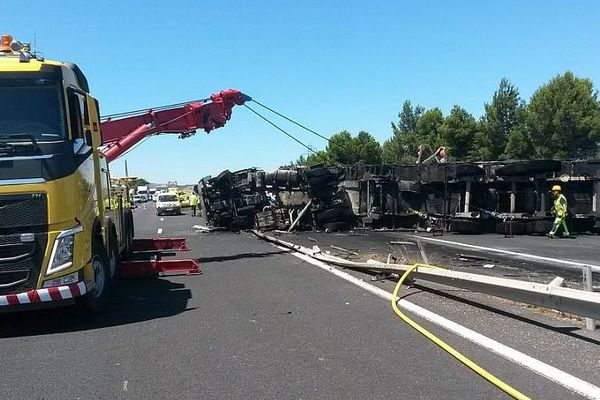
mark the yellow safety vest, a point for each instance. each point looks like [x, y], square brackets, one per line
[560, 206]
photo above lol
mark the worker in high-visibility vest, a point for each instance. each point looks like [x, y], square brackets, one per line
[559, 209]
[193, 204]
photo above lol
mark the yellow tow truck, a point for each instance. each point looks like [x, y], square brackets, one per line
[63, 229]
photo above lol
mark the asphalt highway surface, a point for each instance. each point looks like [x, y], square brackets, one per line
[261, 323]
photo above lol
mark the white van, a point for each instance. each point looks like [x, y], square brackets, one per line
[168, 203]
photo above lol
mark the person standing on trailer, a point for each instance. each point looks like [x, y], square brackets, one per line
[560, 213]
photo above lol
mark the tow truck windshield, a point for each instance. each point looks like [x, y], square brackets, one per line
[31, 110]
[167, 197]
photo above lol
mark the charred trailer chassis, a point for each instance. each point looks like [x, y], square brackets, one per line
[510, 197]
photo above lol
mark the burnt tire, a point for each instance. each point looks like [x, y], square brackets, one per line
[466, 226]
[469, 170]
[529, 167]
[330, 214]
[539, 227]
[580, 225]
[517, 228]
[336, 226]
[96, 299]
[316, 172]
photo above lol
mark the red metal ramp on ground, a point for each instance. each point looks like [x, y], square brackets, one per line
[147, 259]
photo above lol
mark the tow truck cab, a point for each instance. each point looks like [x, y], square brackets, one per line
[61, 233]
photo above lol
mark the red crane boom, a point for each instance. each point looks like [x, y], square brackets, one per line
[121, 134]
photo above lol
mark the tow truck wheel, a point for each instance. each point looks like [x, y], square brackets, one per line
[96, 298]
[113, 259]
[128, 251]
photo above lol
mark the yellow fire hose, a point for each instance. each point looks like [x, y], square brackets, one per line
[476, 368]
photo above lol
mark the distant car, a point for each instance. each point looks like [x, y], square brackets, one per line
[168, 203]
[139, 198]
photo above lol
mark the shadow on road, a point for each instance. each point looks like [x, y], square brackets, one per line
[240, 256]
[132, 301]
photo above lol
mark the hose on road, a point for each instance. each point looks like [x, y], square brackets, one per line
[445, 346]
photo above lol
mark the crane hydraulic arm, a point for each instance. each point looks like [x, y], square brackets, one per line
[121, 134]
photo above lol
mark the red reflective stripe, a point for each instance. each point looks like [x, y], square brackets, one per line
[12, 299]
[74, 290]
[54, 294]
[33, 296]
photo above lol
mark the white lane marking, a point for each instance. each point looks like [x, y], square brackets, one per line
[569, 381]
[162, 219]
[159, 231]
[596, 268]
[124, 386]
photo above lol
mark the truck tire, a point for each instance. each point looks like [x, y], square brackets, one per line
[518, 228]
[466, 226]
[529, 167]
[539, 227]
[336, 226]
[468, 170]
[96, 298]
[329, 214]
[113, 256]
[129, 233]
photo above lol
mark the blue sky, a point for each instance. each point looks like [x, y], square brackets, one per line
[332, 65]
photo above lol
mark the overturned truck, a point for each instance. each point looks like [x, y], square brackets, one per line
[508, 197]
[299, 197]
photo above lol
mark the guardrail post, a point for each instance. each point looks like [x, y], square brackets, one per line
[588, 285]
[421, 247]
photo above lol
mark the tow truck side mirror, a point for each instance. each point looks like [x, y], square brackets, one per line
[88, 138]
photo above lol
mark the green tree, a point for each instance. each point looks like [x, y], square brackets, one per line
[563, 118]
[429, 129]
[459, 131]
[518, 145]
[345, 149]
[367, 150]
[341, 148]
[139, 182]
[402, 146]
[500, 119]
[312, 159]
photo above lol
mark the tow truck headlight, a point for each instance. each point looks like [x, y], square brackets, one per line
[62, 252]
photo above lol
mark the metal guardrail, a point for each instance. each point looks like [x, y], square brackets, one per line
[552, 295]
[541, 260]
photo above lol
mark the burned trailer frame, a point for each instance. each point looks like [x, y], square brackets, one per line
[515, 198]
[522, 189]
[506, 197]
[581, 186]
[463, 198]
[384, 196]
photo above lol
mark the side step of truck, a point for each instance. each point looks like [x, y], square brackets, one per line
[147, 261]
